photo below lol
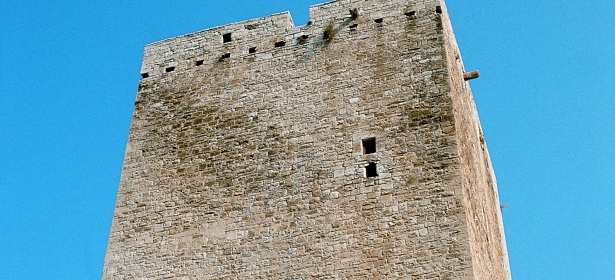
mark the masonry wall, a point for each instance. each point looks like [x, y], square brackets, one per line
[482, 204]
[245, 158]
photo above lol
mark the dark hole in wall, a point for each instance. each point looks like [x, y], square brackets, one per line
[252, 50]
[309, 22]
[144, 75]
[280, 44]
[226, 55]
[371, 170]
[303, 39]
[354, 13]
[378, 20]
[199, 62]
[353, 27]
[438, 9]
[369, 146]
[226, 38]
[170, 69]
[410, 14]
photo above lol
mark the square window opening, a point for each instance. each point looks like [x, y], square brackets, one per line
[226, 38]
[371, 170]
[144, 75]
[369, 145]
[252, 50]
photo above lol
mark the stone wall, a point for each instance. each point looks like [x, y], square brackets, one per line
[246, 155]
[482, 205]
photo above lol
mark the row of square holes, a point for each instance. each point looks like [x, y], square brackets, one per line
[227, 37]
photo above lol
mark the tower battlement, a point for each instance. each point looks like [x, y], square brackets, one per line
[346, 148]
[257, 38]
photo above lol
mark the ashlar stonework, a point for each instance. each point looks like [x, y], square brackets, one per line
[346, 148]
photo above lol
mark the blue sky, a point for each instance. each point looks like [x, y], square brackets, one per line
[69, 72]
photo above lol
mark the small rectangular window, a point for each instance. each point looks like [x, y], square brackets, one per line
[280, 44]
[371, 170]
[144, 75]
[369, 145]
[170, 69]
[226, 38]
[199, 62]
[378, 20]
[252, 50]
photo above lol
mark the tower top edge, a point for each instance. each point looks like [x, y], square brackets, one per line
[263, 32]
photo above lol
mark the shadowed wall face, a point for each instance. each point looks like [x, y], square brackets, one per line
[264, 150]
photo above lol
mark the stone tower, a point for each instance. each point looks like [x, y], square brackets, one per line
[346, 148]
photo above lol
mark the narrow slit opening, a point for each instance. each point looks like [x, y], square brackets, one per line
[410, 14]
[353, 27]
[170, 69]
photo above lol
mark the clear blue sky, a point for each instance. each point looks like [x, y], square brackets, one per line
[69, 72]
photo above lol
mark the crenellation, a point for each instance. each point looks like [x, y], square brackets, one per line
[260, 34]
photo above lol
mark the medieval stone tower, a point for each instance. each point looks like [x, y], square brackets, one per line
[346, 148]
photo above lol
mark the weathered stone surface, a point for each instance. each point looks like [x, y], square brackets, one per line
[246, 161]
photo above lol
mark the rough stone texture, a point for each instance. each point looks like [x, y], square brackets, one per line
[244, 165]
